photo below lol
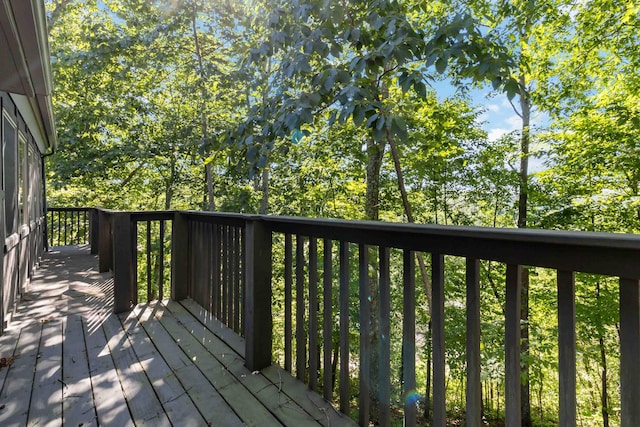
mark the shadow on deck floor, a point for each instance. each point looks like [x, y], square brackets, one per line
[71, 361]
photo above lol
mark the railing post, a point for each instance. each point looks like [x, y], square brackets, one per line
[179, 257]
[474, 386]
[437, 340]
[105, 251]
[124, 286]
[567, 347]
[258, 321]
[629, 352]
[94, 231]
[512, 346]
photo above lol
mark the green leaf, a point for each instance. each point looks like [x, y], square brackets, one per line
[399, 127]
[358, 115]
[512, 88]
[496, 82]
[420, 88]
[441, 65]
[372, 119]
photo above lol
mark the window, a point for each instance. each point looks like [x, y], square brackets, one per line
[22, 199]
[32, 185]
[10, 154]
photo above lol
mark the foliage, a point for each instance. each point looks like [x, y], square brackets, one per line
[289, 101]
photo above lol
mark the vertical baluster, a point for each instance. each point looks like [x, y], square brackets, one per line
[68, 224]
[229, 281]
[51, 228]
[85, 221]
[199, 279]
[59, 228]
[364, 291]
[68, 239]
[208, 266]
[78, 230]
[203, 283]
[149, 272]
[344, 327]
[216, 271]
[230, 294]
[385, 339]
[191, 258]
[327, 335]
[134, 261]
[161, 269]
[211, 262]
[409, 338]
[223, 265]
[313, 313]
[301, 340]
[474, 387]
[236, 278]
[512, 346]
[243, 279]
[567, 347]
[437, 323]
[288, 285]
[629, 352]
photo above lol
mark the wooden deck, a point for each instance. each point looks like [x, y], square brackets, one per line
[68, 360]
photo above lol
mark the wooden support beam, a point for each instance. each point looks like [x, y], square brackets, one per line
[258, 321]
[94, 231]
[105, 249]
[179, 258]
[629, 352]
[124, 264]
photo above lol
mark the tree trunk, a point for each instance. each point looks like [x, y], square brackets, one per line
[375, 152]
[210, 203]
[525, 105]
[264, 202]
[604, 393]
[58, 8]
[421, 264]
[409, 213]
[427, 391]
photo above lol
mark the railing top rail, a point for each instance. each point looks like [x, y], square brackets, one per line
[57, 209]
[589, 252]
[152, 215]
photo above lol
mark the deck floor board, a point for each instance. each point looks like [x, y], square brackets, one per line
[73, 362]
[77, 397]
[46, 395]
[16, 394]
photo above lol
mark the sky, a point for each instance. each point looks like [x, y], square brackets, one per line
[498, 117]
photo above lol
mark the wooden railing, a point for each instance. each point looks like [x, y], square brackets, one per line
[68, 226]
[226, 263]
